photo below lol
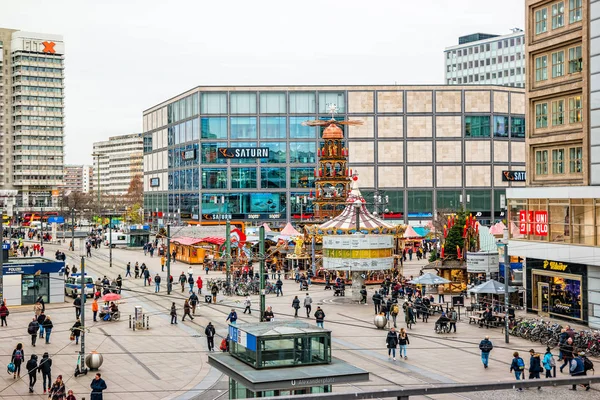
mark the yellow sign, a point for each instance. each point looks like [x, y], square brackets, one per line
[555, 265]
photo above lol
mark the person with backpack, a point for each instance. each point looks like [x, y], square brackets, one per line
[579, 366]
[518, 367]
[392, 342]
[45, 368]
[486, 347]
[296, 306]
[320, 317]
[210, 336]
[549, 363]
[193, 302]
[48, 325]
[18, 355]
[3, 314]
[32, 329]
[535, 366]
[32, 368]
[394, 313]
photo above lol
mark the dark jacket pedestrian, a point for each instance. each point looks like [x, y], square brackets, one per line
[40, 319]
[319, 317]
[76, 330]
[210, 336]
[45, 368]
[486, 347]
[32, 329]
[32, 368]
[567, 353]
[98, 386]
[232, 317]
[392, 342]
[296, 305]
[173, 314]
[4, 314]
[57, 391]
[187, 310]
[268, 315]
[18, 356]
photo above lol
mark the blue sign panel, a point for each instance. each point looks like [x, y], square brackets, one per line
[6, 246]
[32, 268]
[251, 342]
[58, 220]
[233, 333]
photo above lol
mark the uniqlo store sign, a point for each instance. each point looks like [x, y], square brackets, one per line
[533, 222]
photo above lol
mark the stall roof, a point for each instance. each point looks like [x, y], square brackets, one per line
[213, 240]
[186, 241]
[278, 328]
[410, 233]
[421, 230]
[289, 230]
[337, 372]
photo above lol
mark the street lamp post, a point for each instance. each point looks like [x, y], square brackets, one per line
[504, 243]
[45, 202]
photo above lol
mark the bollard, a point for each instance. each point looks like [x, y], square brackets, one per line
[143, 320]
[147, 322]
[129, 321]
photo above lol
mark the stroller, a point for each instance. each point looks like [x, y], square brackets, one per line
[339, 289]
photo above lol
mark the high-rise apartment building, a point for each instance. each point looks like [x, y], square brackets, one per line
[484, 59]
[117, 161]
[31, 115]
[78, 178]
[555, 221]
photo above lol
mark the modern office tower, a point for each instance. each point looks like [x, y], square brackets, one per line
[116, 162]
[484, 59]
[78, 178]
[555, 220]
[420, 149]
[31, 116]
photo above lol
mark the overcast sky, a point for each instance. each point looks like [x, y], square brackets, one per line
[123, 56]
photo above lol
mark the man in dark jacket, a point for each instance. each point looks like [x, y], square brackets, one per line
[279, 286]
[535, 366]
[486, 347]
[392, 342]
[77, 305]
[320, 317]
[377, 301]
[97, 385]
[577, 368]
[32, 368]
[32, 329]
[46, 369]
[40, 319]
[567, 352]
[210, 336]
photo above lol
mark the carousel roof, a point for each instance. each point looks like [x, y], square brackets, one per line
[289, 230]
[346, 221]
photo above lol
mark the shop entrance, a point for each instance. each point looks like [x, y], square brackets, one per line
[33, 286]
[544, 298]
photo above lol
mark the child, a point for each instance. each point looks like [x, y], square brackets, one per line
[70, 395]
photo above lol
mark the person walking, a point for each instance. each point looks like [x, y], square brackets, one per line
[486, 347]
[453, 318]
[296, 306]
[567, 352]
[173, 314]
[549, 362]
[403, 342]
[48, 325]
[128, 270]
[45, 368]
[377, 301]
[535, 366]
[157, 280]
[577, 367]
[320, 317]
[32, 368]
[182, 281]
[409, 315]
[40, 319]
[308, 305]
[232, 317]
[214, 290]
[146, 277]
[57, 391]
[394, 312]
[193, 302]
[32, 329]
[76, 330]
[186, 310]
[18, 356]
[279, 287]
[392, 343]
[210, 336]
[191, 283]
[98, 386]
[199, 284]
[77, 305]
[3, 314]
[247, 305]
[95, 309]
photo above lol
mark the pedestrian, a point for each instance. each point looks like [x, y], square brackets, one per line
[392, 343]
[163, 260]
[98, 385]
[32, 368]
[577, 367]
[157, 280]
[70, 396]
[182, 281]
[320, 317]
[549, 363]
[18, 356]
[535, 366]
[377, 301]
[57, 391]
[308, 305]
[186, 310]
[210, 336]
[146, 276]
[40, 300]
[232, 317]
[174, 256]
[48, 325]
[403, 343]
[95, 308]
[32, 329]
[3, 314]
[567, 352]
[214, 290]
[279, 286]
[486, 347]
[199, 284]
[76, 330]
[136, 270]
[193, 302]
[45, 368]
[247, 305]
[191, 283]
[453, 319]
[128, 270]
[40, 319]
[173, 314]
[409, 315]
[440, 290]
[37, 309]
[394, 312]
[268, 316]
[77, 305]
[296, 306]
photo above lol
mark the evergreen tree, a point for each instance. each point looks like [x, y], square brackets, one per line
[455, 236]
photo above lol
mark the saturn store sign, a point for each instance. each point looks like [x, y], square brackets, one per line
[243, 152]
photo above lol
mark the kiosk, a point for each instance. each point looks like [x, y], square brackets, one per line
[25, 279]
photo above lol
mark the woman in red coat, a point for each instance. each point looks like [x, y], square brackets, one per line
[199, 283]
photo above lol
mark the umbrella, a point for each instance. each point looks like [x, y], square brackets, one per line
[111, 297]
[429, 279]
[491, 287]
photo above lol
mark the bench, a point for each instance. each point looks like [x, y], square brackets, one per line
[474, 319]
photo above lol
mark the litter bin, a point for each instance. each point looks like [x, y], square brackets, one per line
[208, 299]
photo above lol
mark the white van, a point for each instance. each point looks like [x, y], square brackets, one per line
[118, 239]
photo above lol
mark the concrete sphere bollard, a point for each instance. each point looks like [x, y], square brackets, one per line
[94, 360]
[380, 321]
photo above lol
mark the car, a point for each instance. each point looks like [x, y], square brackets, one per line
[73, 285]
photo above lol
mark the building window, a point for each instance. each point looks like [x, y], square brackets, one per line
[517, 127]
[243, 127]
[273, 128]
[209, 153]
[574, 11]
[541, 115]
[541, 162]
[575, 114]
[575, 60]
[558, 15]
[558, 112]
[419, 201]
[272, 103]
[558, 157]
[213, 128]
[214, 178]
[477, 126]
[541, 70]
[243, 103]
[558, 61]
[213, 103]
[336, 98]
[243, 178]
[299, 131]
[302, 152]
[302, 177]
[500, 126]
[575, 160]
[277, 152]
[540, 21]
[303, 103]
[273, 178]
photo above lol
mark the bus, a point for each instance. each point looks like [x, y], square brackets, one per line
[29, 217]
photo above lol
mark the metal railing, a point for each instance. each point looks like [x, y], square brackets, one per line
[406, 393]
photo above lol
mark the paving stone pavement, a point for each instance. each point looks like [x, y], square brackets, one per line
[169, 361]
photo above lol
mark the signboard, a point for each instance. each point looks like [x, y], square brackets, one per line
[243, 152]
[420, 215]
[224, 217]
[513, 176]
[154, 182]
[358, 264]
[56, 220]
[534, 222]
[458, 301]
[366, 242]
[481, 262]
[188, 154]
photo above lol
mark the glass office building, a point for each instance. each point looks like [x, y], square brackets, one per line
[424, 147]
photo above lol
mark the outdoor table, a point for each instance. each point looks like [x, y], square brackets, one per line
[437, 307]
